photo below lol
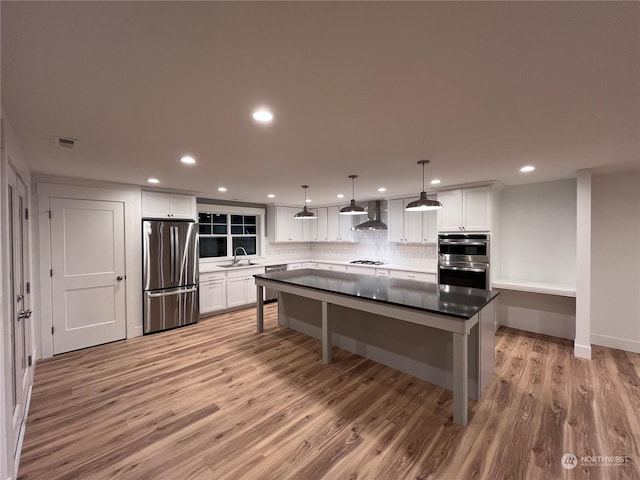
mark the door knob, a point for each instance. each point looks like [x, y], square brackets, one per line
[24, 314]
[119, 278]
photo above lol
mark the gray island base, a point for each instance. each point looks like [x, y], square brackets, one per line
[441, 334]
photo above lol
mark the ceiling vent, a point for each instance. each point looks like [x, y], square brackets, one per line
[65, 142]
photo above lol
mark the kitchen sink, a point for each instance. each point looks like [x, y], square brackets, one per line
[238, 265]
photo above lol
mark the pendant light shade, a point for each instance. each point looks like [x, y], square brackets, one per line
[305, 214]
[423, 203]
[352, 208]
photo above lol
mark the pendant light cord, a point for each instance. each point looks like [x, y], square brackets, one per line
[423, 177]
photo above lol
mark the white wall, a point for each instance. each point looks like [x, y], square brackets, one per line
[615, 260]
[50, 186]
[11, 159]
[539, 232]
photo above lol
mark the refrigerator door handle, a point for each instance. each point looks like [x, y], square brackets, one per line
[178, 253]
[172, 254]
[173, 292]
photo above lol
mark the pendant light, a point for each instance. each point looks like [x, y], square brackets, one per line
[423, 203]
[352, 208]
[305, 214]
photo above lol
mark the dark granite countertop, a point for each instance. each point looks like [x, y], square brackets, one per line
[459, 302]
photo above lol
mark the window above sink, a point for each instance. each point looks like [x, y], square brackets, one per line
[225, 229]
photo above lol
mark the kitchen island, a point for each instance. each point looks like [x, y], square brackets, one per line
[440, 333]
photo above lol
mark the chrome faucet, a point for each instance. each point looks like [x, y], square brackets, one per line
[235, 255]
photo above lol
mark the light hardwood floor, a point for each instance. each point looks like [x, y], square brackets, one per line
[218, 401]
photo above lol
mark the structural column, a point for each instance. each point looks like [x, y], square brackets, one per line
[582, 342]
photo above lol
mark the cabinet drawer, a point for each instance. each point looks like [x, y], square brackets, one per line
[294, 266]
[382, 272]
[418, 276]
[212, 276]
[310, 265]
[360, 270]
[244, 272]
[333, 267]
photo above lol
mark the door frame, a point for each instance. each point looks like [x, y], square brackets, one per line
[130, 196]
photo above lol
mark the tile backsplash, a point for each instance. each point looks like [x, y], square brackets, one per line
[293, 251]
[372, 245]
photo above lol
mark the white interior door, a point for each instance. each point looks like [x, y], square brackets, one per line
[19, 329]
[88, 273]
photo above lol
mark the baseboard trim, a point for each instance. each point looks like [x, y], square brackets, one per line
[616, 342]
[23, 428]
[582, 351]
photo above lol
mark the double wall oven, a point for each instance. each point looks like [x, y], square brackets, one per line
[463, 260]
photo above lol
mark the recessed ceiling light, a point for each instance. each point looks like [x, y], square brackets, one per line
[271, 195]
[153, 180]
[188, 160]
[382, 189]
[340, 195]
[262, 115]
[435, 181]
[527, 169]
[222, 189]
[308, 200]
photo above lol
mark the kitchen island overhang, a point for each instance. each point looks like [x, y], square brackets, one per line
[439, 333]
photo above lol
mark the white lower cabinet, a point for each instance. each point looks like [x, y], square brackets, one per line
[241, 286]
[213, 292]
[237, 292]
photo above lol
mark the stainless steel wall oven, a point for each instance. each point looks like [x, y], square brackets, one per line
[463, 260]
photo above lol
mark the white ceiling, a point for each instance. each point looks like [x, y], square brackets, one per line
[363, 88]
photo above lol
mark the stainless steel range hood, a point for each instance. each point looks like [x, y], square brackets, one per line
[374, 222]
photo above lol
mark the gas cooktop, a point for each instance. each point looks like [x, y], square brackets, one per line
[368, 262]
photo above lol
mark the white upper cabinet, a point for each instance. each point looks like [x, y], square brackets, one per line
[430, 226]
[283, 227]
[333, 224]
[328, 227]
[466, 209]
[168, 205]
[339, 226]
[322, 225]
[410, 227]
[310, 228]
[450, 215]
[476, 208]
[395, 222]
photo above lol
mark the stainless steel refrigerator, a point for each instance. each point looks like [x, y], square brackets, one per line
[169, 274]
